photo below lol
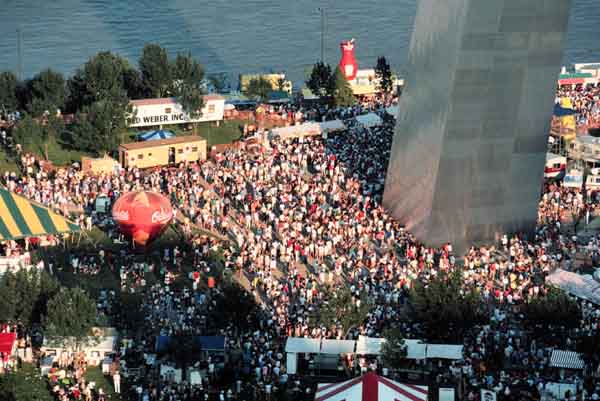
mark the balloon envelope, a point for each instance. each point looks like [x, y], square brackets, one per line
[142, 215]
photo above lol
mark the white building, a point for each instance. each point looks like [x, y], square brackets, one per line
[166, 111]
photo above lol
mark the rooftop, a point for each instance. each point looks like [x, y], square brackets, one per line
[161, 142]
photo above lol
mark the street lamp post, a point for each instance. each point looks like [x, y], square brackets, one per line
[322, 12]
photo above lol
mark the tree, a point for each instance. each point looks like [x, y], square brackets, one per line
[234, 304]
[383, 73]
[445, 308]
[24, 295]
[8, 92]
[78, 94]
[259, 88]
[218, 81]
[321, 80]
[185, 349]
[340, 309]
[46, 92]
[187, 76]
[82, 135]
[71, 316]
[28, 132]
[103, 77]
[132, 81]
[394, 348]
[342, 95]
[551, 310]
[155, 70]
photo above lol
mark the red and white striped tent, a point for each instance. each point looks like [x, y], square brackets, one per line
[370, 387]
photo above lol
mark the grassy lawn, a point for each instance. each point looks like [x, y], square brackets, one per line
[94, 374]
[57, 154]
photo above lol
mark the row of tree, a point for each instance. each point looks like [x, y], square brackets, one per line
[33, 297]
[98, 94]
[331, 84]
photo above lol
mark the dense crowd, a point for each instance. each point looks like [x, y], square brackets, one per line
[304, 216]
[585, 100]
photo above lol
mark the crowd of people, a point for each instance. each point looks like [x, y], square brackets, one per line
[585, 99]
[297, 219]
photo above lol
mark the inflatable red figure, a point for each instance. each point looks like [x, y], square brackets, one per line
[142, 216]
[348, 63]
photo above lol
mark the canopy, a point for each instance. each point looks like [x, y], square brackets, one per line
[370, 387]
[444, 351]
[369, 120]
[297, 131]
[155, 135]
[415, 349]
[337, 347]
[7, 343]
[303, 345]
[581, 286]
[369, 345]
[332, 125]
[21, 217]
[566, 359]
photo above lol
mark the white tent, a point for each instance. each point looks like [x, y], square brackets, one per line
[332, 125]
[566, 360]
[369, 345]
[337, 347]
[370, 387]
[298, 131]
[581, 286]
[444, 351]
[303, 345]
[369, 120]
[415, 349]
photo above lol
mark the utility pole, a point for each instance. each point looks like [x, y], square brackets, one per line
[322, 11]
[19, 55]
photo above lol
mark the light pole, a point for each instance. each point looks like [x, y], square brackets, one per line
[322, 12]
[19, 55]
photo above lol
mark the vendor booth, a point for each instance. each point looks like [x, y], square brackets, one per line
[96, 348]
[8, 346]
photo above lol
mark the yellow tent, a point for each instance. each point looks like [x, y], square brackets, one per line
[21, 217]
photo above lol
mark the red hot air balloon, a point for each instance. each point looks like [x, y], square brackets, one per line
[348, 63]
[142, 216]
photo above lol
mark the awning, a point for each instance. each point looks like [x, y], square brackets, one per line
[7, 342]
[21, 217]
[155, 135]
[571, 81]
[392, 110]
[444, 351]
[332, 125]
[566, 360]
[415, 349]
[302, 345]
[369, 345]
[369, 120]
[337, 347]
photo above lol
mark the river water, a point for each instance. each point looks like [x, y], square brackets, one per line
[231, 36]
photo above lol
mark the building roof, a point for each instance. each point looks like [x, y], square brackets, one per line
[170, 100]
[162, 142]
